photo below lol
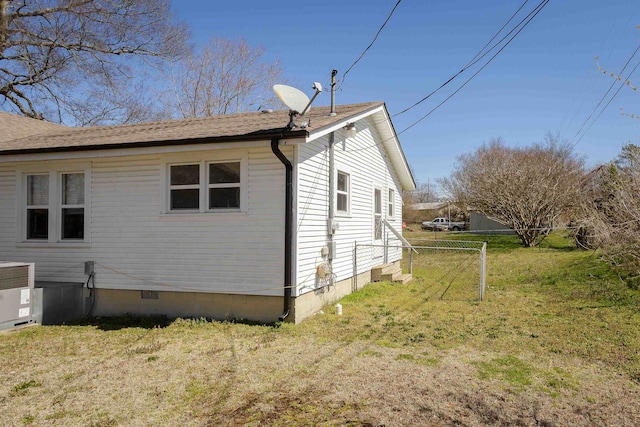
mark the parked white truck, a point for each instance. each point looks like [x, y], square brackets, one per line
[442, 224]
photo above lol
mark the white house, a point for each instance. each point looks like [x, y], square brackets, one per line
[229, 216]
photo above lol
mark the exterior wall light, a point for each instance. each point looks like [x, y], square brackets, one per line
[351, 130]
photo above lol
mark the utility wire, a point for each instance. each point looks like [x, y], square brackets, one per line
[602, 98]
[371, 44]
[478, 56]
[518, 28]
[532, 15]
[608, 102]
[499, 31]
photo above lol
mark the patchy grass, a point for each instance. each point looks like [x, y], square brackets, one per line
[556, 342]
[509, 369]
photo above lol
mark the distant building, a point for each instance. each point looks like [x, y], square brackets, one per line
[482, 224]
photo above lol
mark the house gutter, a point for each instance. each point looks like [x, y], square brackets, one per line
[288, 226]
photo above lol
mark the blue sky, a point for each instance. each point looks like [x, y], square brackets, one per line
[546, 80]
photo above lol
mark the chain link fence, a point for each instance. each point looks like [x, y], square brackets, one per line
[455, 269]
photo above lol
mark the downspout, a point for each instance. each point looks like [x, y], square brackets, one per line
[288, 226]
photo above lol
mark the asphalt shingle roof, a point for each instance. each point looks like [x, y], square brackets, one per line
[14, 127]
[22, 135]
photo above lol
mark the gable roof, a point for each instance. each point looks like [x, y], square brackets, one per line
[15, 127]
[230, 127]
[22, 135]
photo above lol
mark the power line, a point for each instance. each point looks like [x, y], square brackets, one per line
[499, 31]
[478, 56]
[610, 99]
[372, 42]
[531, 16]
[602, 98]
[518, 28]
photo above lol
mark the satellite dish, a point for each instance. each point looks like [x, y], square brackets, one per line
[297, 101]
[293, 98]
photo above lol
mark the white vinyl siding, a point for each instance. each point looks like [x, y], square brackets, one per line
[368, 167]
[137, 245]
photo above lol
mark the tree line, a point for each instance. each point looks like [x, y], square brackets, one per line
[95, 62]
[536, 189]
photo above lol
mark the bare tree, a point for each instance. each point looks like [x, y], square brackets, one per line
[426, 192]
[623, 81]
[224, 77]
[526, 188]
[610, 216]
[69, 60]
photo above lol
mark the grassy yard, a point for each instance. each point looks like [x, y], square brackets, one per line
[556, 342]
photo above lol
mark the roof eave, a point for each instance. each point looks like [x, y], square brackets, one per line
[264, 135]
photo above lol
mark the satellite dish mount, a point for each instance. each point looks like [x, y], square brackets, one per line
[296, 100]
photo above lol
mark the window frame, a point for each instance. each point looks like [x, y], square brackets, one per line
[55, 206]
[378, 202]
[346, 193]
[391, 210]
[177, 187]
[203, 163]
[210, 186]
[63, 206]
[28, 207]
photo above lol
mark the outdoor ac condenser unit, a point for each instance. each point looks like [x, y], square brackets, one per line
[16, 294]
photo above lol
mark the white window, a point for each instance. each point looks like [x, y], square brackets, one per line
[342, 192]
[390, 203]
[54, 207]
[37, 207]
[377, 214]
[224, 185]
[205, 186]
[72, 206]
[184, 187]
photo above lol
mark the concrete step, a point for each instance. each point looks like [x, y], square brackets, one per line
[397, 277]
[379, 271]
[404, 278]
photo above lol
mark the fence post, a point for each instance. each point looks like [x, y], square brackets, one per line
[410, 260]
[354, 287]
[483, 258]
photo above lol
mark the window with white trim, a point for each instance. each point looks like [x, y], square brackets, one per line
[72, 206]
[205, 186]
[37, 207]
[184, 187]
[390, 203]
[343, 188]
[224, 185]
[377, 214]
[55, 207]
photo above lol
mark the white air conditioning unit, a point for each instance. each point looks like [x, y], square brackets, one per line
[16, 294]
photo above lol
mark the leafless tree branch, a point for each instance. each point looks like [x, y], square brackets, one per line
[526, 189]
[56, 52]
[225, 77]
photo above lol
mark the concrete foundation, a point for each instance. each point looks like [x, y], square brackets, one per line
[265, 309]
[116, 302]
[307, 304]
